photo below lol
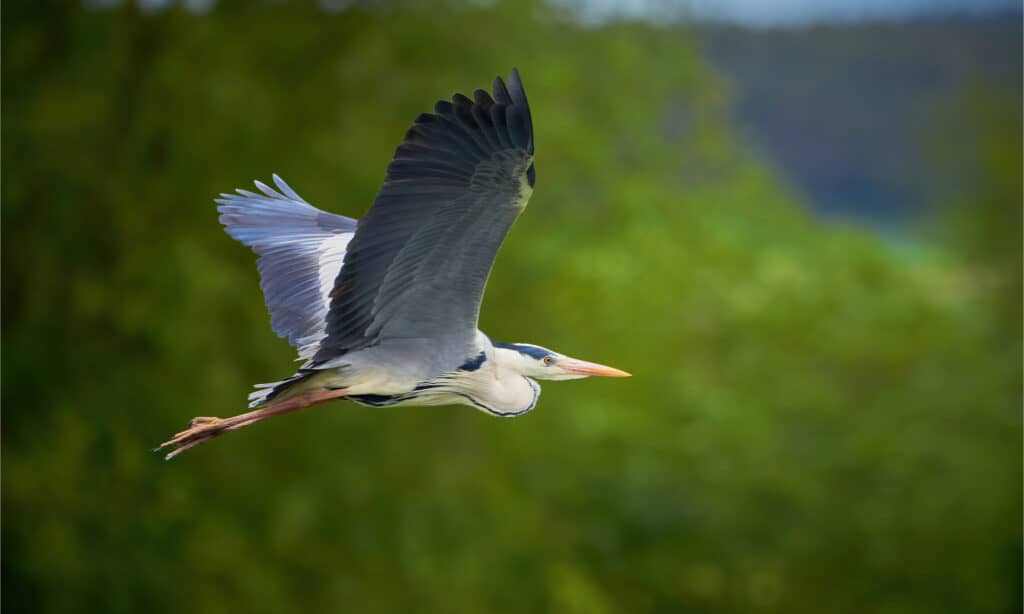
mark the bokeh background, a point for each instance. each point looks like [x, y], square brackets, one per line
[800, 230]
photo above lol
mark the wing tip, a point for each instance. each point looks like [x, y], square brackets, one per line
[512, 93]
[516, 94]
[506, 107]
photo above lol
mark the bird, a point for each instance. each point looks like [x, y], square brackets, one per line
[384, 311]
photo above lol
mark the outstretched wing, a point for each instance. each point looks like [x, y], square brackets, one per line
[300, 249]
[419, 261]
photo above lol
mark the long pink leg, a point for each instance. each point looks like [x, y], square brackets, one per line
[203, 429]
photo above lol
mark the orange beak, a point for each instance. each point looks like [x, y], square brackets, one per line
[582, 367]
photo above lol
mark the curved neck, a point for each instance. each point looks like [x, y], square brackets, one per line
[496, 383]
[506, 396]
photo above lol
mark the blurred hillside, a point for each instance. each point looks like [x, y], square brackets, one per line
[818, 420]
[849, 112]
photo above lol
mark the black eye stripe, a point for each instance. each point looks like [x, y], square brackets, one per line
[537, 353]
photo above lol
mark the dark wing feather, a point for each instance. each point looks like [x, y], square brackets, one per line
[419, 261]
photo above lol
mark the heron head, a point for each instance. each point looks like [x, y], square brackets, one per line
[541, 363]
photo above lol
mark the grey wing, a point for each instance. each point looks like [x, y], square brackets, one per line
[300, 249]
[419, 261]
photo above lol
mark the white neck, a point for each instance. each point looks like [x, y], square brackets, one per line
[498, 386]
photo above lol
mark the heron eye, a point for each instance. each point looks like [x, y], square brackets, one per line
[548, 360]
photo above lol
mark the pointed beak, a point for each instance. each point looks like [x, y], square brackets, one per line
[582, 367]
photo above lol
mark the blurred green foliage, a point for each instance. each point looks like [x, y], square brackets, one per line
[818, 421]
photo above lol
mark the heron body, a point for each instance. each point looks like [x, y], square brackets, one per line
[383, 311]
[487, 381]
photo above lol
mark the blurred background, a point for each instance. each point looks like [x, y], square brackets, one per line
[797, 223]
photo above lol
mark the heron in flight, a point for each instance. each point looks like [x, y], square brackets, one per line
[384, 311]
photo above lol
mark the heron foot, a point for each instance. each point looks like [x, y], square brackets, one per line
[201, 429]
[203, 420]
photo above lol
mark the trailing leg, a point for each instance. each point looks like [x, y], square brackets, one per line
[202, 429]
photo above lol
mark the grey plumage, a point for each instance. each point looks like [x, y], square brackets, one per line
[409, 288]
[418, 264]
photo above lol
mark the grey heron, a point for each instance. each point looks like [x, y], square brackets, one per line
[384, 311]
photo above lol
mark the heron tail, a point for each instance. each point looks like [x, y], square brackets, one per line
[269, 391]
[305, 381]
